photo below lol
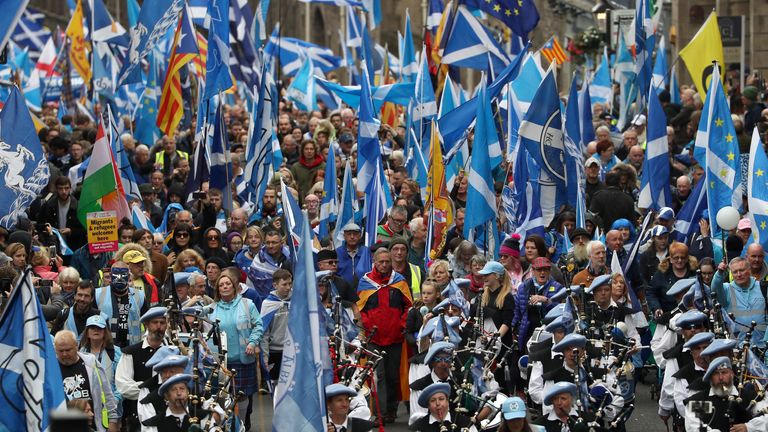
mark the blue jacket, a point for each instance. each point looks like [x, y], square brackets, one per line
[747, 304]
[351, 269]
[526, 314]
[241, 321]
[261, 270]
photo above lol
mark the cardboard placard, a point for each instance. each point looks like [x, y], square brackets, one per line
[102, 231]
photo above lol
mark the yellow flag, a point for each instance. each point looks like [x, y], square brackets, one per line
[78, 55]
[439, 204]
[705, 47]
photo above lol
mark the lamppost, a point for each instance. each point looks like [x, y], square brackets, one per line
[602, 14]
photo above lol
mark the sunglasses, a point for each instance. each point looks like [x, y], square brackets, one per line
[182, 234]
[213, 238]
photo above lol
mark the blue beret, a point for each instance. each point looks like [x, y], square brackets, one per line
[155, 312]
[599, 395]
[718, 345]
[573, 340]
[196, 310]
[97, 321]
[431, 389]
[562, 294]
[447, 302]
[560, 323]
[598, 281]
[690, 318]
[193, 269]
[338, 389]
[436, 348]
[161, 353]
[171, 361]
[698, 339]
[513, 408]
[176, 379]
[681, 286]
[181, 278]
[718, 363]
[558, 388]
[554, 313]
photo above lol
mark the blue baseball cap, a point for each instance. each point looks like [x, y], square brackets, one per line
[513, 408]
[96, 321]
[493, 267]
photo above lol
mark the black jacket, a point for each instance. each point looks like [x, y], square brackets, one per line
[610, 204]
[49, 213]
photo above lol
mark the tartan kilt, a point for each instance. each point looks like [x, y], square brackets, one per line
[245, 379]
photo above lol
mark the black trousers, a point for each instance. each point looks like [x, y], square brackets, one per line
[388, 377]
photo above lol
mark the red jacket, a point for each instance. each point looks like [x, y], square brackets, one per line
[385, 308]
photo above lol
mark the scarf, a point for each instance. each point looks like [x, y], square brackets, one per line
[311, 164]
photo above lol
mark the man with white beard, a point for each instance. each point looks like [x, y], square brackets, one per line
[720, 407]
[577, 258]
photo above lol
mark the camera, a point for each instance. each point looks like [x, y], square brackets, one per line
[45, 283]
[702, 407]
[199, 195]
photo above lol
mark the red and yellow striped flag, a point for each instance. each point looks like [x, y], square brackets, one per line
[184, 51]
[78, 55]
[202, 44]
[553, 51]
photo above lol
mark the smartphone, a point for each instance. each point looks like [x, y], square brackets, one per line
[5, 285]
[199, 195]
[52, 251]
[45, 283]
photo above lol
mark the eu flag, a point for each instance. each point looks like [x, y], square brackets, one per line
[519, 15]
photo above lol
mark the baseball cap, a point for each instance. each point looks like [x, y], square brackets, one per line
[134, 257]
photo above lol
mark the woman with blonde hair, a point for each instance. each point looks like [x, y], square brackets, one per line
[678, 264]
[188, 258]
[440, 273]
[498, 309]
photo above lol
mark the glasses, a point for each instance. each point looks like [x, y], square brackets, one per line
[331, 262]
[158, 243]
[182, 234]
[213, 238]
[398, 221]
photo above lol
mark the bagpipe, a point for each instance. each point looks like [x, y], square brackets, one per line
[213, 384]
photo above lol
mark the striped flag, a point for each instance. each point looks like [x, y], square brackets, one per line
[199, 60]
[184, 51]
[553, 51]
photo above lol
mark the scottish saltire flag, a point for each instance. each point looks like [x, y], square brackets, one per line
[368, 148]
[329, 205]
[104, 28]
[299, 398]
[348, 205]
[417, 168]
[654, 180]
[139, 219]
[481, 196]
[687, 219]
[434, 13]
[354, 31]
[258, 154]
[221, 161]
[155, 20]
[452, 96]
[624, 70]
[146, 131]
[756, 368]
[674, 88]
[573, 113]
[645, 42]
[302, 88]
[30, 32]
[133, 13]
[244, 60]
[376, 205]
[124, 169]
[290, 51]
[218, 77]
[585, 108]
[410, 67]
[521, 16]
[293, 220]
[573, 156]
[25, 172]
[350, 3]
[398, 93]
[471, 45]
[757, 190]
[453, 125]
[374, 12]
[425, 105]
[660, 67]
[541, 132]
[30, 371]
[367, 54]
[721, 150]
[259, 25]
[601, 87]
[526, 201]
[65, 249]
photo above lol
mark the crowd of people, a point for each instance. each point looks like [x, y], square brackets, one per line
[550, 334]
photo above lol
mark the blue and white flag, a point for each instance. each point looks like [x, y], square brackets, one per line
[221, 161]
[348, 204]
[659, 79]
[601, 88]
[434, 13]
[375, 205]
[293, 220]
[299, 398]
[258, 152]
[218, 77]
[425, 105]
[290, 51]
[25, 172]
[624, 71]
[30, 371]
[585, 108]
[368, 148]
[645, 42]
[757, 190]
[573, 145]
[529, 79]
[541, 132]
[526, 200]
[717, 145]
[452, 96]
[471, 45]
[329, 205]
[687, 220]
[674, 88]
[139, 219]
[259, 25]
[349, 3]
[128, 180]
[146, 131]
[410, 67]
[374, 12]
[64, 247]
[104, 28]
[30, 31]
[133, 13]
[244, 60]
[654, 180]
[417, 169]
[756, 368]
[354, 36]
[156, 19]
[398, 93]
[481, 195]
[302, 88]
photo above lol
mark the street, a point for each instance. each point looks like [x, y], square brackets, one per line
[644, 418]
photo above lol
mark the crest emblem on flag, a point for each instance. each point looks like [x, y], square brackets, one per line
[552, 148]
